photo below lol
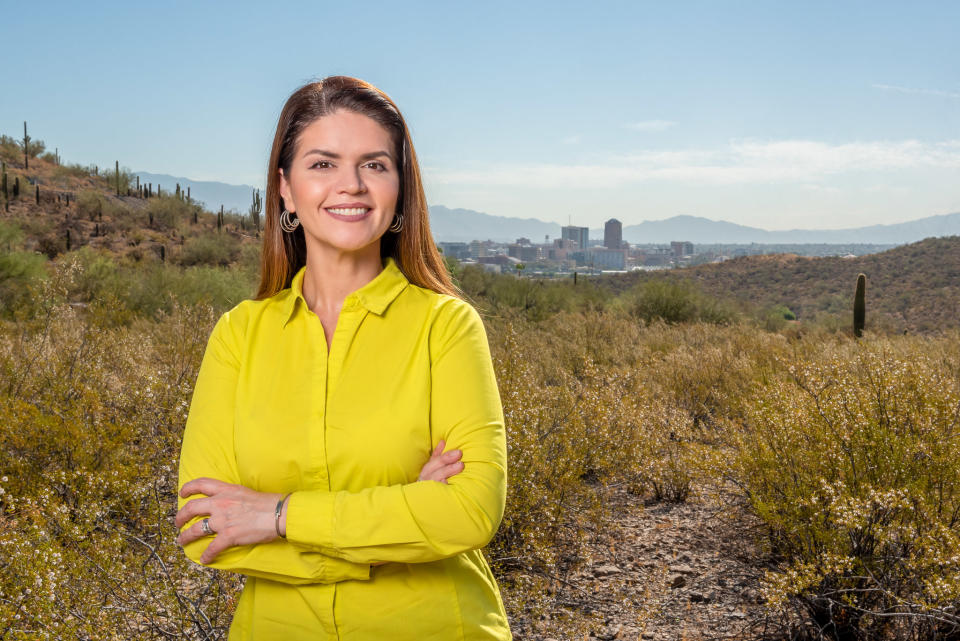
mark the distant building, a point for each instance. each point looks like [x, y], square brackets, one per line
[613, 234]
[526, 253]
[579, 235]
[602, 258]
[561, 248]
[681, 248]
[502, 260]
[460, 251]
[479, 248]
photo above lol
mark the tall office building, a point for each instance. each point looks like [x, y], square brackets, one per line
[613, 234]
[577, 234]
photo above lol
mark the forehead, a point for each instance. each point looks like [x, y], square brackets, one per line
[345, 132]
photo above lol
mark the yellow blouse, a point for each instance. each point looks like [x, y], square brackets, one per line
[347, 432]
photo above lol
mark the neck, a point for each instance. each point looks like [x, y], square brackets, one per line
[333, 275]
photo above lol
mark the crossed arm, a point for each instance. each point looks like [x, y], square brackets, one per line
[335, 536]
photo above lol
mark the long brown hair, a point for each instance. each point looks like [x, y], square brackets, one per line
[412, 247]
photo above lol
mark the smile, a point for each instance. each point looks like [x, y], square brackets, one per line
[349, 214]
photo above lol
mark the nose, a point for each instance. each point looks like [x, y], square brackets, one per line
[351, 182]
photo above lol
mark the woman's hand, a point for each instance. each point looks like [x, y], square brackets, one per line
[237, 515]
[442, 465]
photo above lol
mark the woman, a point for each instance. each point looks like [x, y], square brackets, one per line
[315, 439]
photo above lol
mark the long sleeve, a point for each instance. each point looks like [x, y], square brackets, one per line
[426, 520]
[208, 451]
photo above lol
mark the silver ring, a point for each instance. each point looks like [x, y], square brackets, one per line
[205, 526]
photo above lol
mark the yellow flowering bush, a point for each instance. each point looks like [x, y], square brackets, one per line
[850, 457]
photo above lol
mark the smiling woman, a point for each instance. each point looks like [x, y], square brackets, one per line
[314, 457]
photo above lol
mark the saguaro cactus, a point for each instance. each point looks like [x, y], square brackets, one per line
[116, 169]
[26, 147]
[860, 306]
[255, 208]
[38, 194]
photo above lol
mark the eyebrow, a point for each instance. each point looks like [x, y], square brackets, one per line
[336, 156]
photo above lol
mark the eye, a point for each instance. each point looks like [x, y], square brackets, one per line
[322, 164]
[376, 165]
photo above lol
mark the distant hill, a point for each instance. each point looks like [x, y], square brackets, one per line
[913, 287]
[704, 230]
[454, 225]
[212, 194]
[464, 225]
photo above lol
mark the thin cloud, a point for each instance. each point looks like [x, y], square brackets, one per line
[922, 92]
[740, 162]
[571, 140]
[651, 125]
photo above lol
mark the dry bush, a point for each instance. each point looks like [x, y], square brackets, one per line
[89, 474]
[850, 457]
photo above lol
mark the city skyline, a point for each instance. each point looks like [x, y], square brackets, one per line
[768, 115]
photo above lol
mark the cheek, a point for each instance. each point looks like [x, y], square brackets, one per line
[309, 190]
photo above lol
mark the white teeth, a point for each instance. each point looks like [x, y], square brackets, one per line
[353, 211]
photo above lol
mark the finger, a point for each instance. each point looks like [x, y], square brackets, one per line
[191, 534]
[202, 485]
[190, 509]
[219, 544]
[444, 472]
[438, 450]
[452, 455]
[449, 470]
[429, 470]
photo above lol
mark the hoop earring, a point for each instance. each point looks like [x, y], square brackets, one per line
[288, 222]
[397, 223]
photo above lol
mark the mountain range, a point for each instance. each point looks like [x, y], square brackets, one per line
[453, 225]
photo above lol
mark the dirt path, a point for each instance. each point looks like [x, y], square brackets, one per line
[667, 572]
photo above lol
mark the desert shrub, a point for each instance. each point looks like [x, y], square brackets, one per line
[18, 269]
[675, 301]
[155, 287]
[209, 249]
[850, 458]
[90, 203]
[169, 212]
[579, 422]
[73, 170]
[10, 150]
[89, 478]
[536, 298]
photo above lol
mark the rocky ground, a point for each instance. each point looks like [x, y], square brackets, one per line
[666, 571]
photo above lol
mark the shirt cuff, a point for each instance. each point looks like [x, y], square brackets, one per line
[336, 570]
[310, 518]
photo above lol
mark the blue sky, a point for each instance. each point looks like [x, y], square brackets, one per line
[772, 114]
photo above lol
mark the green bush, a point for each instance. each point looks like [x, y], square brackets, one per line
[209, 249]
[675, 301]
[73, 170]
[18, 269]
[169, 212]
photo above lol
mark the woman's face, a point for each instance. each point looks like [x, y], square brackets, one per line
[343, 183]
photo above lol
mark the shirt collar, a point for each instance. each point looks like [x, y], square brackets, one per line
[375, 296]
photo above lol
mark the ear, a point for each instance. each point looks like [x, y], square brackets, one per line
[285, 193]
